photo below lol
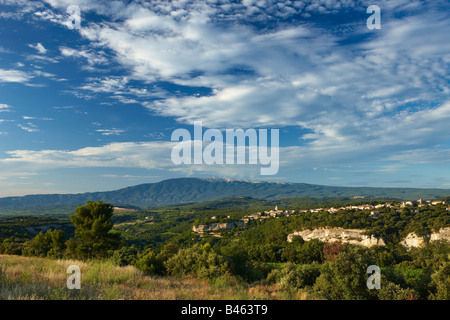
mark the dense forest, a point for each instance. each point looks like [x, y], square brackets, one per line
[161, 242]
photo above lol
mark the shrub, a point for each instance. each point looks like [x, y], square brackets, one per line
[440, 284]
[150, 264]
[199, 261]
[330, 250]
[298, 277]
[74, 249]
[311, 251]
[125, 256]
[392, 291]
[345, 278]
[274, 276]
[168, 251]
[11, 245]
[49, 244]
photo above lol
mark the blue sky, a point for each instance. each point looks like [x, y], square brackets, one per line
[93, 108]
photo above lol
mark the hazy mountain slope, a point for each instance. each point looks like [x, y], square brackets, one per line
[185, 190]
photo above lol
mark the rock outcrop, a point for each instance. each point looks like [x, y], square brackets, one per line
[353, 236]
[412, 240]
[202, 228]
[443, 234]
[356, 236]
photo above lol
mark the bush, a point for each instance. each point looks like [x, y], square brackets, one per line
[199, 261]
[311, 251]
[440, 284]
[273, 277]
[330, 250]
[11, 245]
[150, 264]
[168, 251]
[392, 291]
[345, 278]
[241, 265]
[298, 277]
[125, 256]
[74, 249]
[49, 244]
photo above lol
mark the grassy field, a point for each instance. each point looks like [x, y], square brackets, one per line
[31, 278]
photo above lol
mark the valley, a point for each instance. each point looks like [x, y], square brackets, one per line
[286, 248]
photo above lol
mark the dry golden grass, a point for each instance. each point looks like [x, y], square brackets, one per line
[42, 278]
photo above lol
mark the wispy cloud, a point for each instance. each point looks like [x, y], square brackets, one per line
[39, 48]
[5, 107]
[12, 75]
[92, 57]
[29, 127]
[127, 154]
[37, 118]
[111, 132]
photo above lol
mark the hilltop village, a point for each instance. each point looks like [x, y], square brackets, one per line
[213, 228]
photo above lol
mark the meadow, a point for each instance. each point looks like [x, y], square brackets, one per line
[33, 278]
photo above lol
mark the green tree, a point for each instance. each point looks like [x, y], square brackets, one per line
[11, 245]
[49, 244]
[57, 245]
[345, 278]
[392, 291]
[168, 251]
[93, 227]
[74, 249]
[311, 251]
[440, 284]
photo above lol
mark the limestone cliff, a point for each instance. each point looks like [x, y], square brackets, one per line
[202, 228]
[443, 234]
[353, 236]
[412, 240]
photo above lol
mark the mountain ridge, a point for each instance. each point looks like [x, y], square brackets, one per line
[191, 190]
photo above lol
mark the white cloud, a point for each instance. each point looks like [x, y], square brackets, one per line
[40, 58]
[92, 57]
[29, 127]
[154, 155]
[11, 75]
[19, 8]
[110, 132]
[107, 84]
[126, 154]
[5, 107]
[167, 48]
[39, 47]
[37, 118]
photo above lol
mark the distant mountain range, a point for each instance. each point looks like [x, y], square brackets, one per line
[193, 190]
